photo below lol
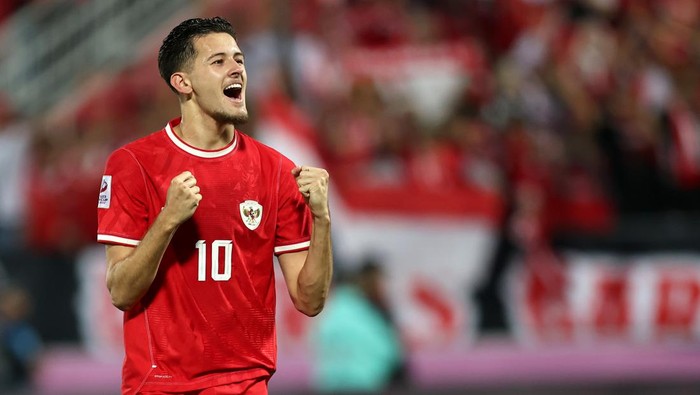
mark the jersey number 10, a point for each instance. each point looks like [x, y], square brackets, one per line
[217, 272]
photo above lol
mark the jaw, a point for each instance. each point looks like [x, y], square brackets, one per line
[233, 111]
[237, 106]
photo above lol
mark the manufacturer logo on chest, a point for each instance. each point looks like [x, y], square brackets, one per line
[251, 213]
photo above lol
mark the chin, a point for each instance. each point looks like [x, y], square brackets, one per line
[238, 118]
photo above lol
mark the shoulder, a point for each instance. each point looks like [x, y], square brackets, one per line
[139, 149]
[146, 144]
[265, 151]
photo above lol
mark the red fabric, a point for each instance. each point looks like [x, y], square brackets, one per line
[196, 328]
[257, 386]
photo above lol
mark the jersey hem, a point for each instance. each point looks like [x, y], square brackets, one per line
[207, 382]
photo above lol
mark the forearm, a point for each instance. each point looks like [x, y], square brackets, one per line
[314, 279]
[129, 278]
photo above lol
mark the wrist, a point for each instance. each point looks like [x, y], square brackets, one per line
[166, 221]
[323, 219]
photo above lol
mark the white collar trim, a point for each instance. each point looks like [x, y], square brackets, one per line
[197, 152]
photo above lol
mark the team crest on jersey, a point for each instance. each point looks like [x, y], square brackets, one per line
[251, 213]
[105, 192]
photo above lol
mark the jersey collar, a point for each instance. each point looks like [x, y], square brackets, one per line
[196, 151]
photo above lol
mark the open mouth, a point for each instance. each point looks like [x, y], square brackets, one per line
[234, 91]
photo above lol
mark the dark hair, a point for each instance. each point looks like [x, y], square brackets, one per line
[177, 49]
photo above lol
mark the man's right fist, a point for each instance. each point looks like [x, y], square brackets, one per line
[183, 197]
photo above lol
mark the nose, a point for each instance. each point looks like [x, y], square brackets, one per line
[236, 69]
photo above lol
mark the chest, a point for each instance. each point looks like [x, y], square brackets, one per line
[238, 194]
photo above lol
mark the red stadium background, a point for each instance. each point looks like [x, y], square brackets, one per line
[526, 172]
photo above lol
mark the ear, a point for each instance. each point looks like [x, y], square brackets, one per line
[181, 83]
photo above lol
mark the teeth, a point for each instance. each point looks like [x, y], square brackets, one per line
[233, 86]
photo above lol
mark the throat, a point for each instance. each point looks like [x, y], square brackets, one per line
[208, 139]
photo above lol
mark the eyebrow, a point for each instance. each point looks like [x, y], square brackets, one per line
[237, 53]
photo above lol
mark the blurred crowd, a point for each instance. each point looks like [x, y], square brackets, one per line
[569, 113]
[590, 104]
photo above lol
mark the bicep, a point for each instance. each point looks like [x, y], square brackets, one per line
[291, 264]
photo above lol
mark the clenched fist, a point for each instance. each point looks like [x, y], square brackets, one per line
[313, 185]
[183, 197]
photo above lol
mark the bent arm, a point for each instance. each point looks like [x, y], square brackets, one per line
[308, 274]
[131, 271]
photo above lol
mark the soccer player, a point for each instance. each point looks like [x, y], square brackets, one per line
[192, 216]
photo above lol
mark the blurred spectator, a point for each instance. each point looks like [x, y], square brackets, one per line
[20, 345]
[358, 347]
[15, 136]
[64, 173]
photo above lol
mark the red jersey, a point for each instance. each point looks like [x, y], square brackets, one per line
[209, 316]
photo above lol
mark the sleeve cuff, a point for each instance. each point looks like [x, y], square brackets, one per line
[292, 247]
[109, 239]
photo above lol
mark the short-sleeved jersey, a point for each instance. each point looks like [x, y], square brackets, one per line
[208, 318]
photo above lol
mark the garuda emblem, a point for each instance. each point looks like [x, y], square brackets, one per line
[251, 213]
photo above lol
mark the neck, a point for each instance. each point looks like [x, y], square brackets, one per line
[204, 132]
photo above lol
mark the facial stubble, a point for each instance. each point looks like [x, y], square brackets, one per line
[235, 119]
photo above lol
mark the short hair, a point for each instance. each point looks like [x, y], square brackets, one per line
[177, 50]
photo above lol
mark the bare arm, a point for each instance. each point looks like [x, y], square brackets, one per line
[131, 271]
[308, 273]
